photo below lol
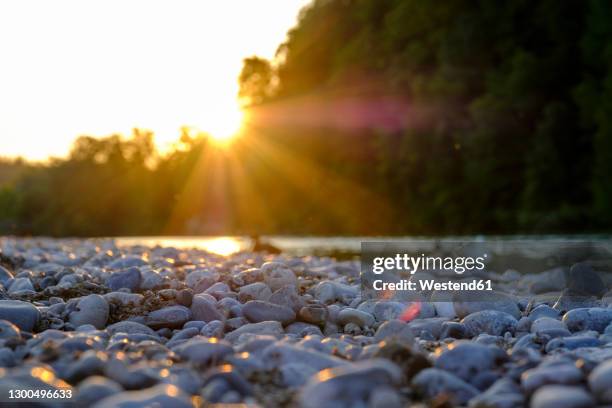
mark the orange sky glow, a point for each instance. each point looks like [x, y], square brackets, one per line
[72, 67]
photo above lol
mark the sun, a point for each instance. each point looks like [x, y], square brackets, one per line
[224, 125]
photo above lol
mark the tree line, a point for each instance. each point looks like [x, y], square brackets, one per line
[375, 117]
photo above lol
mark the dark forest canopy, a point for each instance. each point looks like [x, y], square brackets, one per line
[376, 117]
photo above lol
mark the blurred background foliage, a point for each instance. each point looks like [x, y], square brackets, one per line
[376, 117]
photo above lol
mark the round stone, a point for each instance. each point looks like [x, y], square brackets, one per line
[22, 314]
[600, 381]
[315, 314]
[5, 275]
[172, 317]
[584, 281]
[21, 284]
[129, 327]
[277, 275]
[161, 395]
[129, 278]
[593, 318]
[466, 360]
[201, 350]
[95, 388]
[432, 382]
[261, 311]
[254, 291]
[559, 396]
[91, 309]
[8, 330]
[202, 308]
[492, 322]
[361, 319]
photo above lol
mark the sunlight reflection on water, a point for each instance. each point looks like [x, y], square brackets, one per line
[309, 245]
[227, 245]
[217, 245]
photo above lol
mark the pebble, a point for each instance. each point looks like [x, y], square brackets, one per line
[394, 330]
[348, 385]
[281, 353]
[564, 373]
[410, 360]
[491, 322]
[295, 375]
[280, 330]
[543, 311]
[504, 393]
[550, 327]
[328, 292]
[276, 275]
[227, 380]
[385, 397]
[162, 395]
[8, 330]
[433, 382]
[124, 298]
[184, 297]
[129, 327]
[287, 296]
[219, 290]
[22, 314]
[172, 317]
[32, 377]
[427, 328]
[361, 319]
[201, 350]
[314, 313]
[248, 276]
[466, 359]
[128, 278]
[552, 280]
[465, 305]
[125, 262]
[453, 330]
[197, 324]
[20, 285]
[386, 310]
[150, 280]
[600, 381]
[91, 309]
[557, 396]
[595, 318]
[260, 311]
[271, 328]
[5, 275]
[445, 309]
[90, 363]
[254, 291]
[301, 329]
[7, 357]
[584, 281]
[215, 328]
[95, 388]
[571, 343]
[205, 310]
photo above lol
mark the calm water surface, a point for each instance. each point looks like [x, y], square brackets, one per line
[321, 246]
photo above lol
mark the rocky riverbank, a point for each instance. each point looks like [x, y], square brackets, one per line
[135, 325]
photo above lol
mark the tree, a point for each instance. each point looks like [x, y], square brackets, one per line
[255, 80]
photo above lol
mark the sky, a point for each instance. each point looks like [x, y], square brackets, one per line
[70, 68]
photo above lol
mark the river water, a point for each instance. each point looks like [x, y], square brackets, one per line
[342, 247]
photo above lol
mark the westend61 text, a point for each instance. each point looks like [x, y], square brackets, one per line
[430, 284]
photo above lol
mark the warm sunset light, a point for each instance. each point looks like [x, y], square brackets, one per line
[226, 126]
[306, 203]
[71, 68]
